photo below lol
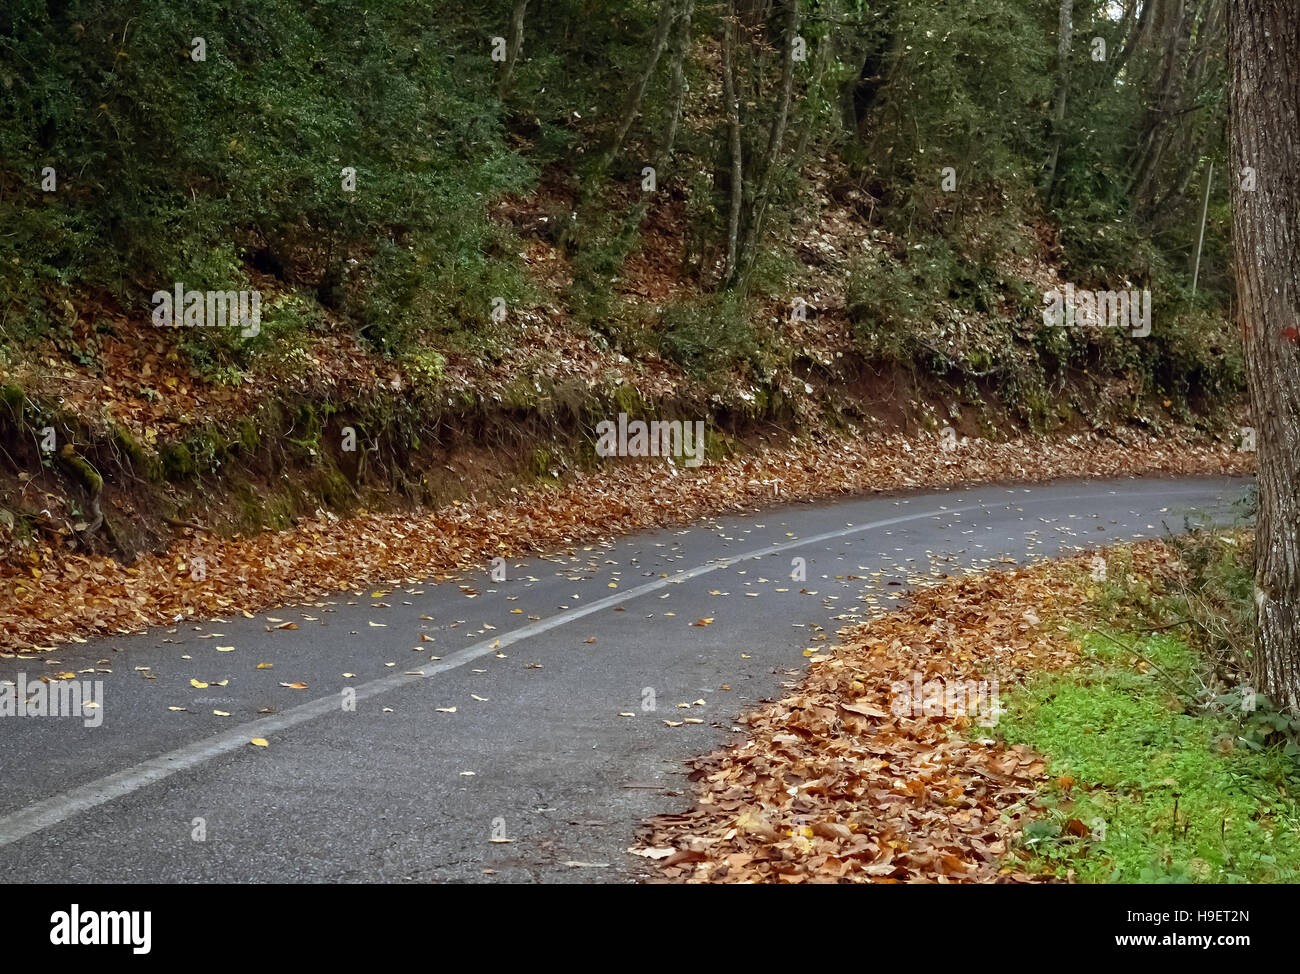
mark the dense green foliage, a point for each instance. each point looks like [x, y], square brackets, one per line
[175, 170]
[203, 171]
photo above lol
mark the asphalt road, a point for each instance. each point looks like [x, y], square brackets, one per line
[538, 667]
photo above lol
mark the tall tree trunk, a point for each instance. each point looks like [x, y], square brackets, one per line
[677, 94]
[831, 10]
[667, 13]
[677, 91]
[753, 227]
[1162, 114]
[513, 44]
[733, 141]
[1127, 35]
[1264, 53]
[1189, 136]
[1063, 35]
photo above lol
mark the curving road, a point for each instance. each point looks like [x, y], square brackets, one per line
[538, 667]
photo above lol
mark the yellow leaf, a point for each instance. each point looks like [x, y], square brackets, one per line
[259, 742]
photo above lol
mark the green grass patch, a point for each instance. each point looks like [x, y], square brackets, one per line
[1148, 786]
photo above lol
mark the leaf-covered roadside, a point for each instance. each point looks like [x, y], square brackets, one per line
[56, 595]
[831, 784]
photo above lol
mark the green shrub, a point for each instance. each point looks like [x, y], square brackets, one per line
[708, 334]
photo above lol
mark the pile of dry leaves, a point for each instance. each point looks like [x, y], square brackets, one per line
[834, 784]
[55, 595]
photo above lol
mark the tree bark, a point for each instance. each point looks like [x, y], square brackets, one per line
[1062, 85]
[667, 13]
[733, 140]
[1264, 58]
[1163, 113]
[814, 87]
[767, 173]
[681, 52]
[677, 95]
[1128, 35]
[513, 44]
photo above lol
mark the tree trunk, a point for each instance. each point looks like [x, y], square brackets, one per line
[681, 52]
[753, 229]
[1264, 53]
[677, 94]
[1162, 115]
[513, 44]
[1128, 30]
[814, 87]
[667, 13]
[1062, 85]
[1190, 135]
[733, 141]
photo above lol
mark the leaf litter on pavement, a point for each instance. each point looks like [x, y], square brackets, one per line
[835, 783]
